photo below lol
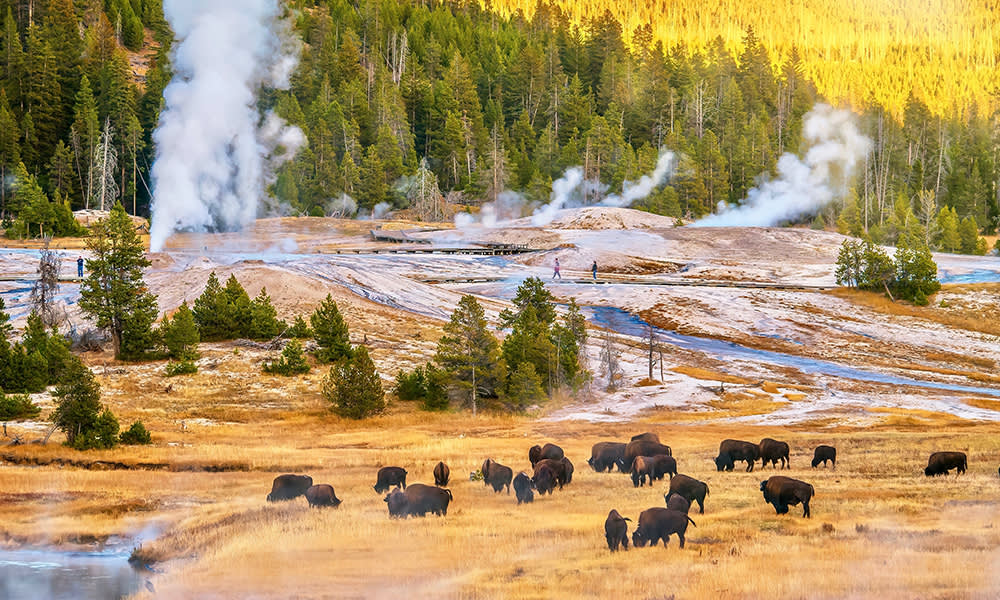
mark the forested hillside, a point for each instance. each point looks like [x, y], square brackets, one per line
[487, 103]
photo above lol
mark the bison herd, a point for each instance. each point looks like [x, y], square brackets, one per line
[643, 457]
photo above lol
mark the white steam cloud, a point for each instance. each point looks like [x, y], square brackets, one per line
[804, 186]
[342, 207]
[215, 153]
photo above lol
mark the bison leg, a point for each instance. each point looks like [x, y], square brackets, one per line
[750, 464]
[805, 509]
[680, 536]
[701, 505]
[625, 540]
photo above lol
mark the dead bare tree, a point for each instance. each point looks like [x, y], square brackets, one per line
[46, 287]
[610, 361]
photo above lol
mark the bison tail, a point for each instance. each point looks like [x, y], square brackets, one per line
[450, 497]
[626, 519]
[692, 521]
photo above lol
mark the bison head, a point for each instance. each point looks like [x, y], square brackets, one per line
[396, 501]
[929, 472]
[638, 540]
[723, 462]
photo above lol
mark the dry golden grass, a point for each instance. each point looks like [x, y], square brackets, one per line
[955, 317]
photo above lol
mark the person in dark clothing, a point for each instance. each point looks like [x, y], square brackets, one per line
[555, 271]
[79, 267]
[593, 270]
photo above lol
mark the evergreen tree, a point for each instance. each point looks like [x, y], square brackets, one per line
[292, 361]
[330, 331]
[353, 387]
[78, 406]
[264, 323]
[210, 311]
[180, 334]
[469, 354]
[531, 293]
[968, 235]
[948, 238]
[114, 293]
[524, 387]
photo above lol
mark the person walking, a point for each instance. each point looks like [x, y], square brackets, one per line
[79, 267]
[555, 271]
[593, 270]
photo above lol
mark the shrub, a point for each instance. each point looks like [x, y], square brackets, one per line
[136, 434]
[16, 408]
[180, 334]
[292, 361]
[411, 386]
[353, 387]
[524, 387]
[331, 332]
[102, 436]
[264, 323]
[299, 329]
[183, 367]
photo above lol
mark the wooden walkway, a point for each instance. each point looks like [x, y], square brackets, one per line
[34, 277]
[756, 285]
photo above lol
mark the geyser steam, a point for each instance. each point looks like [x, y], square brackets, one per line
[215, 152]
[804, 186]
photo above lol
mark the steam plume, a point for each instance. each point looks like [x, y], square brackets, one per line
[804, 186]
[214, 151]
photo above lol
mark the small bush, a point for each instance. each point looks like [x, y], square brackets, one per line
[353, 387]
[292, 361]
[102, 436]
[15, 408]
[136, 434]
[182, 367]
[299, 329]
[411, 386]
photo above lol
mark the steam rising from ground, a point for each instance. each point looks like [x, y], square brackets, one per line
[570, 191]
[804, 186]
[215, 154]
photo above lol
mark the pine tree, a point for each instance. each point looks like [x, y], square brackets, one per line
[330, 332]
[947, 227]
[524, 387]
[210, 311]
[353, 387]
[180, 334]
[10, 152]
[968, 235]
[86, 134]
[532, 292]
[264, 323]
[469, 353]
[238, 315]
[292, 361]
[78, 405]
[114, 293]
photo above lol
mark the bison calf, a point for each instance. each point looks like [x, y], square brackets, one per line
[418, 500]
[390, 477]
[688, 488]
[522, 489]
[441, 474]
[657, 524]
[287, 487]
[781, 492]
[322, 495]
[616, 531]
[940, 463]
[822, 454]
[678, 503]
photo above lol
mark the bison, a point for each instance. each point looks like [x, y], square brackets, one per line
[772, 451]
[644, 448]
[559, 469]
[497, 475]
[606, 455]
[418, 500]
[545, 478]
[781, 492]
[388, 477]
[287, 487]
[688, 488]
[678, 503]
[824, 453]
[441, 474]
[537, 453]
[941, 462]
[653, 467]
[567, 469]
[616, 531]
[649, 436]
[657, 524]
[522, 489]
[322, 495]
[731, 451]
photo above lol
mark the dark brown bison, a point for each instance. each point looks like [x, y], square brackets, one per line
[559, 468]
[772, 451]
[657, 524]
[653, 467]
[322, 495]
[644, 448]
[522, 489]
[441, 474]
[781, 492]
[545, 478]
[418, 500]
[537, 453]
[941, 462]
[606, 455]
[688, 488]
[824, 453]
[678, 503]
[649, 436]
[731, 451]
[388, 477]
[567, 469]
[616, 531]
[497, 475]
[287, 487]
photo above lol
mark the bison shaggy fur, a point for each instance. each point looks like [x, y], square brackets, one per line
[418, 500]
[689, 488]
[822, 454]
[441, 474]
[940, 463]
[644, 448]
[606, 455]
[657, 524]
[322, 495]
[287, 487]
[544, 480]
[522, 489]
[496, 475]
[616, 531]
[781, 492]
[537, 453]
[731, 451]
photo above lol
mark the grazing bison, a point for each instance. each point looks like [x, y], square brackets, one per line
[941, 462]
[644, 448]
[559, 469]
[497, 475]
[545, 478]
[772, 451]
[567, 470]
[678, 503]
[653, 467]
[522, 489]
[605, 455]
[688, 488]
[649, 436]
[418, 500]
[824, 453]
[657, 524]
[616, 531]
[441, 474]
[388, 477]
[783, 491]
[287, 487]
[537, 453]
[731, 451]
[322, 495]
